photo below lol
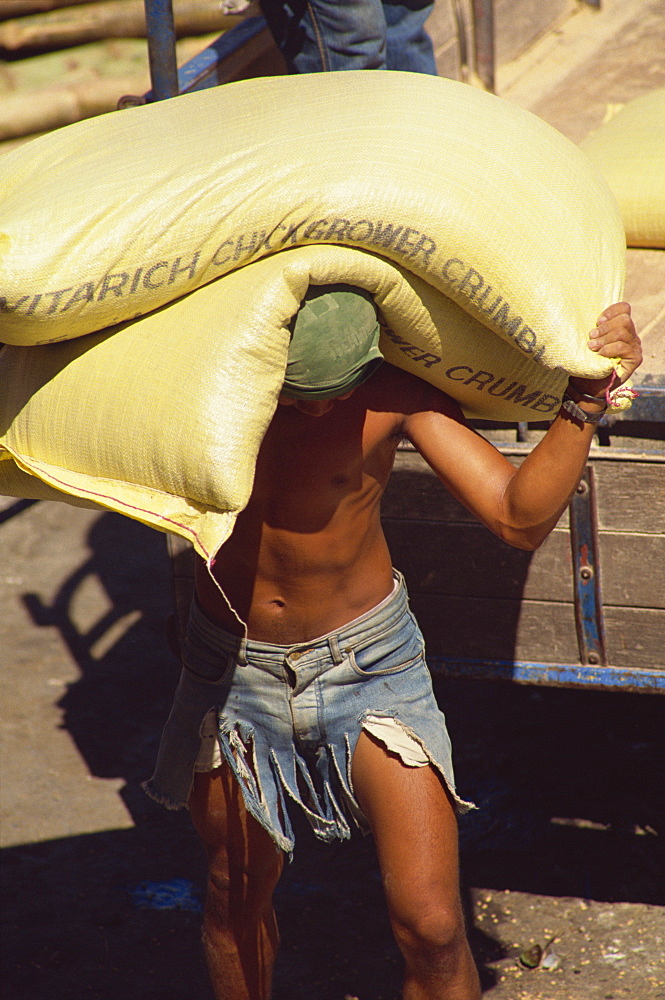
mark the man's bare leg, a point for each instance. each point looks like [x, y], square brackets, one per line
[415, 830]
[240, 934]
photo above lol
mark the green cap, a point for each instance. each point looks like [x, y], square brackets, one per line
[334, 343]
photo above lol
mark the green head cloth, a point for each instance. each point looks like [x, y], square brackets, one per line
[334, 343]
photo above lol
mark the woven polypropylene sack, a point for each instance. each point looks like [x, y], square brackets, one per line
[162, 417]
[159, 419]
[112, 217]
[14, 482]
[629, 150]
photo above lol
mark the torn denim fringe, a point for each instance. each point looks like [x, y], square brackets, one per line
[289, 717]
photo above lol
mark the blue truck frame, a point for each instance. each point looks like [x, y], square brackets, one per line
[203, 71]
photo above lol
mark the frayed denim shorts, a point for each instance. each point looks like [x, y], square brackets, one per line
[289, 717]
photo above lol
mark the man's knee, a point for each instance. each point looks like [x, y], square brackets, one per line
[432, 934]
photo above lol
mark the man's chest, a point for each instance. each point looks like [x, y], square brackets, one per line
[322, 461]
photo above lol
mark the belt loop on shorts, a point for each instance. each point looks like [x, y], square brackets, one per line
[241, 652]
[335, 652]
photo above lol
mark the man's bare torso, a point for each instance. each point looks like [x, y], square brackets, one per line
[308, 553]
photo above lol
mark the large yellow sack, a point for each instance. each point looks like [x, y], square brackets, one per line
[161, 418]
[14, 482]
[113, 217]
[629, 151]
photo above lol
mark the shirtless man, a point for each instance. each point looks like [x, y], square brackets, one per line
[327, 700]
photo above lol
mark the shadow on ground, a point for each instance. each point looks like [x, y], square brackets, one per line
[566, 780]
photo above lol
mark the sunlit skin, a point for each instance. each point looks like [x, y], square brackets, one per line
[307, 556]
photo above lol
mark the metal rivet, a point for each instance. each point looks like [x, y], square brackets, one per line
[586, 572]
[582, 487]
[594, 658]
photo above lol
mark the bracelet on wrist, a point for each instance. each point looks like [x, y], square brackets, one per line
[578, 396]
[614, 400]
[570, 403]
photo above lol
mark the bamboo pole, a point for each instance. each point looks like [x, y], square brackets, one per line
[19, 8]
[107, 19]
[97, 76]
[112, 57]
[22, 114]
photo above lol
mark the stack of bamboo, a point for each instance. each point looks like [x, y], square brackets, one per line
[64, 60]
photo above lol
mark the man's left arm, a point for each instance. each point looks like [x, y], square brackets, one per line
[522, 505]
[550, 474]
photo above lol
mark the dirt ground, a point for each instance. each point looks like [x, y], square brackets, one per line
[102, 889]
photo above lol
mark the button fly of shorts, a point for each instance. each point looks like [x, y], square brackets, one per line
[301, 673]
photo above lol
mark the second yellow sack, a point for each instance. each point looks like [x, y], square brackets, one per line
[629, 151]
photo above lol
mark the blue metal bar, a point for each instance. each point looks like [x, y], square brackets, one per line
[161, 49]
[201, 71]
[597, 453]
[586, 572]
[644, 681]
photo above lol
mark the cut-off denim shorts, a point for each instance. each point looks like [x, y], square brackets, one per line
[289, 717]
